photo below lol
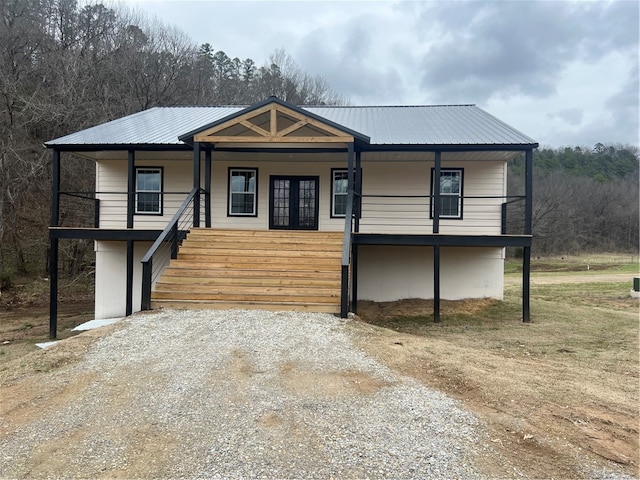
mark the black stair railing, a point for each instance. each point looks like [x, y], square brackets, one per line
[166, 245]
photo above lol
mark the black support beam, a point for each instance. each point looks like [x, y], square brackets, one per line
[358, 192]
[103, 234]
[436, 283]
[207, 187]
[347, 239]
[436, 192]
[528, 229]
[442, 240]
[53, 245]
[196, 183]
[526, 284]
[131, 187]
[354, 278]
[129, 293]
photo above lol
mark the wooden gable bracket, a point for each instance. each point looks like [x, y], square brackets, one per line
[249, 131]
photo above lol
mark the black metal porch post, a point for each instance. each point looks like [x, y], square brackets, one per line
[356, 229]
[131, 187]
[528, 229]
[131, 208]
[207, 187]
[53, 249]
[358, 190]
[196, 183]
[436, 192]
[346, 250]
[436, 230]
[354, 278]
[436, 283]
[129, 304]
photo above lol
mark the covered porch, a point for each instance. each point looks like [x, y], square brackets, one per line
[308, 174]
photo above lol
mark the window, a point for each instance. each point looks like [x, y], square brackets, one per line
[243, 189]
[149, 191]
[450, 192]
[339, 189]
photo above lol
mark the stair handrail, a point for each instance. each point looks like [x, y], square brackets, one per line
[147, 260]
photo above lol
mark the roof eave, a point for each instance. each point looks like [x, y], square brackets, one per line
[467, 147]
[96, 147]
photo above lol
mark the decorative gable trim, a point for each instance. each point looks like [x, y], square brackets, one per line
[273, 121]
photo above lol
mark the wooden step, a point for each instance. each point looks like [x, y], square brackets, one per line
[281, 266]
[223, 305]
[188, 249]
[278, 270]
[267, 281]
[205, 272]
[245, 297]
[241, 244]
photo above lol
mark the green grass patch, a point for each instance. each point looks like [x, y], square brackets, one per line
[592, 323]
[512, 268]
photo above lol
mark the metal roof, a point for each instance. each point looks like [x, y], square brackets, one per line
[384, 125]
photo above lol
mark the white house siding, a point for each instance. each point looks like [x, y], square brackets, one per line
[111, 176]
[393, 273]
[111, 277]
[219, 194]
[481, 216]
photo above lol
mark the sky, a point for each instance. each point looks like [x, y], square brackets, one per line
[563, 72]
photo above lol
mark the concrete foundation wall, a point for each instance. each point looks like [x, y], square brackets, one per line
[394, 273]
[111, 277]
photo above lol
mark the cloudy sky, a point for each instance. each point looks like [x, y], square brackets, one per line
[562, 72]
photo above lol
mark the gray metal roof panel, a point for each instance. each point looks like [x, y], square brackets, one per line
[387, 125]
[156, 126]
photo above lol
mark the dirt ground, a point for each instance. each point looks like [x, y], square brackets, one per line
[537, 434]
[548, 418]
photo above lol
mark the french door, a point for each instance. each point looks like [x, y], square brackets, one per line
[293, 203]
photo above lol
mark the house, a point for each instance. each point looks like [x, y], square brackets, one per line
[275, 205]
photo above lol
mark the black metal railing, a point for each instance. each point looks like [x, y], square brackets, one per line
[478, 214]
[79, 209]
[166, 245]
[109, 210]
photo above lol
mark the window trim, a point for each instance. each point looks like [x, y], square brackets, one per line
[229, 192]
[160, 192]
[332, 213]
[460, 195]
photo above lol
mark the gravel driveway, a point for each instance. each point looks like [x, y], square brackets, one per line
[240, 394]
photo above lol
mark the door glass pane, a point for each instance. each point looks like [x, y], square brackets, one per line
[307, 203]
[281, 193]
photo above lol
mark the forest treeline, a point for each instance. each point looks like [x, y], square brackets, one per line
[584, 199]
[67, 65]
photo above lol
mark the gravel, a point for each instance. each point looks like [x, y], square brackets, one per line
[242, 394]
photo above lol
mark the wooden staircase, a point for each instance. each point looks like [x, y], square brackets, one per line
[255, 269]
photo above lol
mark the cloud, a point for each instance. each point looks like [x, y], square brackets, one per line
[572, 116]
[562, 72]
[514, 48]
[353, 59]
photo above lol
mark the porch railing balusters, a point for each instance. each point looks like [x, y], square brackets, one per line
[166, 245]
